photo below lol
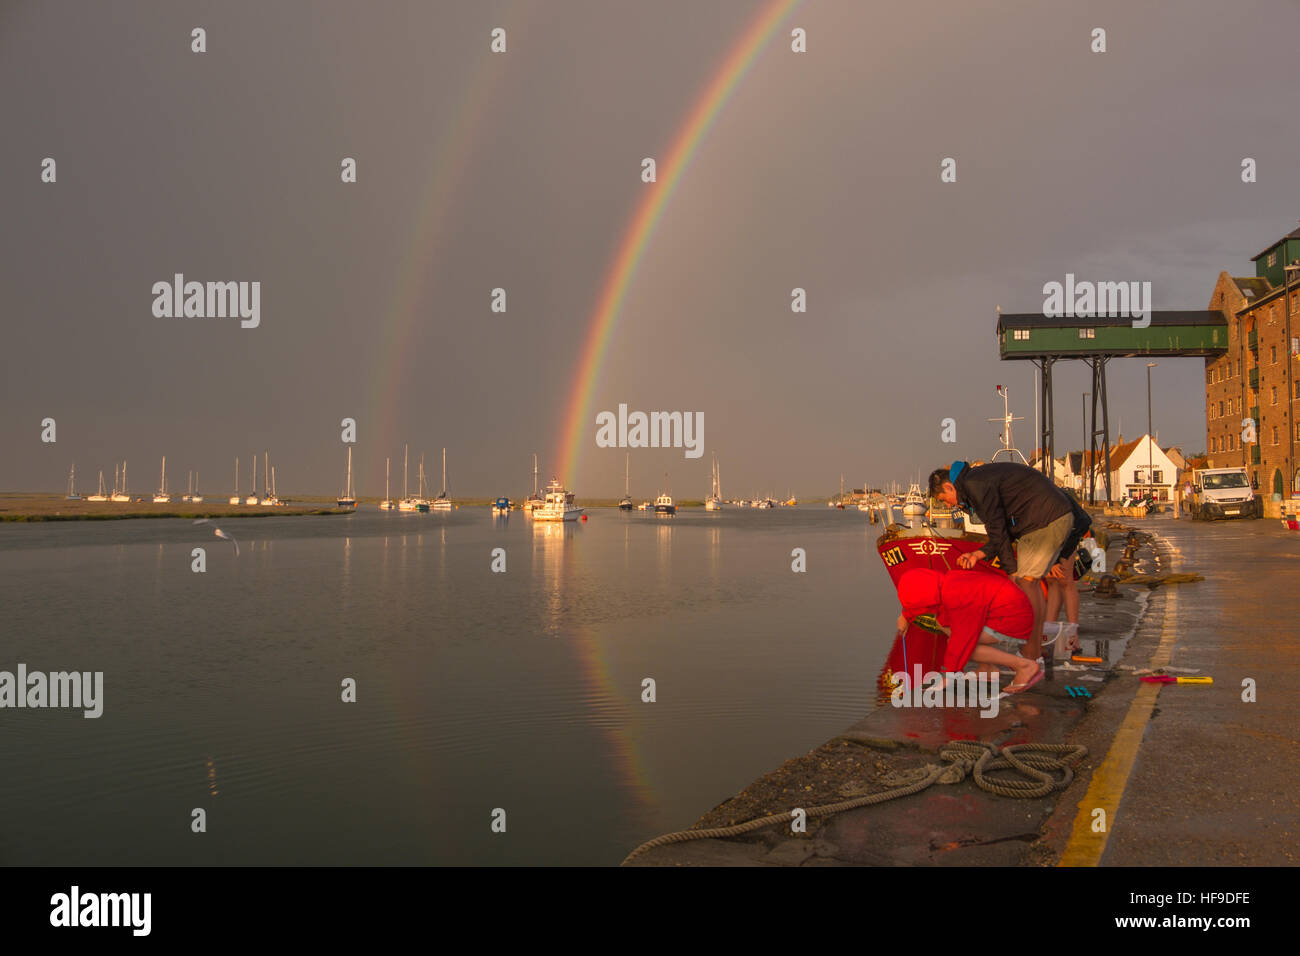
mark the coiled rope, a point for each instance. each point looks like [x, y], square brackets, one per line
[1038, 769]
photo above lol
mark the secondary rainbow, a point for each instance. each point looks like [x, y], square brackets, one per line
[716, 93]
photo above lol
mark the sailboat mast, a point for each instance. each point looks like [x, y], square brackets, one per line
[387, 463]
[627, 472]
[266, 471]
[236, 476]
[444, 472]
[348, 493]
[534, 474]
[406, 451]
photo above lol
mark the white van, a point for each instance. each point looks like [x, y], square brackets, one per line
[1223, 493]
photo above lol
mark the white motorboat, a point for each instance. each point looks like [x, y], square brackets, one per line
[558, 505]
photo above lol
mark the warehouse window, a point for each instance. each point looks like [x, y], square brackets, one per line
[1272, 259]
[1021, 335]
[1087, 333]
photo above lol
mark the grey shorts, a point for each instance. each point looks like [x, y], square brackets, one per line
[1037, 551]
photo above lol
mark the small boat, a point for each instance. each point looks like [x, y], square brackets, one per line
[408, 503]
[626, 503]
[387, 504]
[914, 503]
[120, 495]
[501, 506]
[162, 498]
[533, 501]
[253, 499]
[72, 484]
[99, 495]
[194, 493]
[558, 505]
[348, 499]
[235, 499]
[643, 506]
[664, 503]
[714, 501]
[442, 502]
[270, 500]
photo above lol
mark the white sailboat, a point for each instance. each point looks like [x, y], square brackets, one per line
[626, 503]
[162, 498]
[407, 503]
[714, 501]
[194, 492]
[119, 494]
[442, 502]
[268, 482]
[387, 504]
[348, 499]
[99, 495]
[235, 499]
[558, 505]
[252, 499]
[535, 499]
[72, 484]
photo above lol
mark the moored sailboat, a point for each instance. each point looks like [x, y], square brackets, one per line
[714, 501]
[348, 499]
[387, 504]
[162, 498]
[442, 502]
[72, 483]
[99, 495]
[626, 503]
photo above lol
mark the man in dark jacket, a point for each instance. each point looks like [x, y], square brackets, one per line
[1017, 504]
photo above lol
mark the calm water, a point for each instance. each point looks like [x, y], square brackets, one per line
[475, 690]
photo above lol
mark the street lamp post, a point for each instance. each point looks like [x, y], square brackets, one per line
[1083, 455]
[1151, 493]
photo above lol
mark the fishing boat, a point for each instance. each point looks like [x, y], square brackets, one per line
[714, 501]
[501, 506]
[348, 499]
[534, 500]
[387, 504]
[914, 503]
[72, 484]
[558, 505]
[442, 502]
[99, 495]
[902, 550]
[664, 503]
[119, 494]
[626, 503]
[235, 499]
[162, 498]
[252, 499]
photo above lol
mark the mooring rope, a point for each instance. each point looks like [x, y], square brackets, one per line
[960, 759]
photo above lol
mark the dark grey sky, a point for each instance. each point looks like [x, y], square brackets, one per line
[522, 171]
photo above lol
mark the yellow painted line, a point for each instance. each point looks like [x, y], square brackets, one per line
[1106, 788]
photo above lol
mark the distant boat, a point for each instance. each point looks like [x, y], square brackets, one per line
[914, 503]
[501, 506]
[558, 505]
[162, 498]
[533, 501]
[99, 495]
[387, 504]
[72, 483]
[271, 499]
[268, 482]
[408, 503]
[194, 493]
[235, 499]
[664, 503]
[120, 495]
[626, 503]
[442, 502]
[643, 506]
[252, 499]
[348, 499]
[714, 501]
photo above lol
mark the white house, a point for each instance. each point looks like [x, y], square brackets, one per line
[1137, 468]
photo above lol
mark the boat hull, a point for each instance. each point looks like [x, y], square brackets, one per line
[903, 551]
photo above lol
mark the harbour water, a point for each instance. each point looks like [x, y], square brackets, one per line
[475, 691]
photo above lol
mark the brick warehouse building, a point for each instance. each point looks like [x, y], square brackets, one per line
[1256, 377]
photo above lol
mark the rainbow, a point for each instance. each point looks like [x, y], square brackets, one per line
[642, 226]
[451, 158]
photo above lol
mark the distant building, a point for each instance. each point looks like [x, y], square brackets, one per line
[1254, 381]
[1140, 467]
